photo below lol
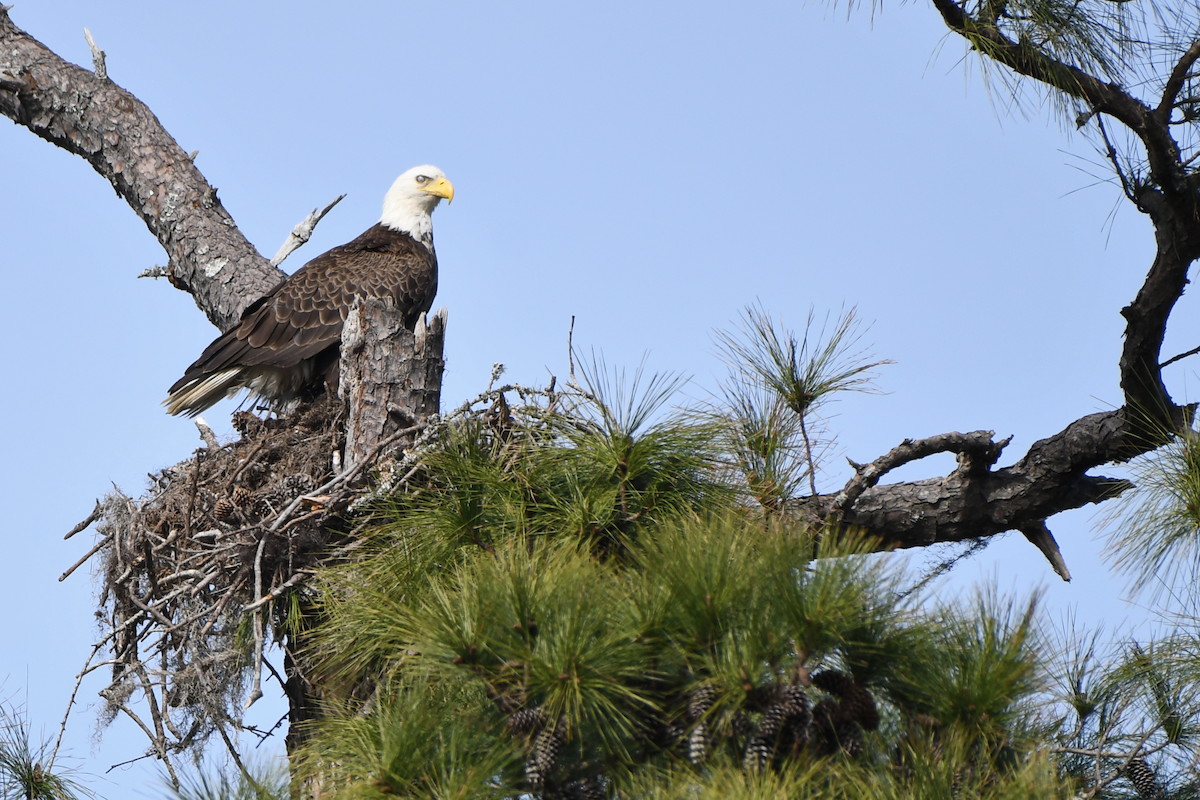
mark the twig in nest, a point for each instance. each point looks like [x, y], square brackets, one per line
[340, 478]
[247, 462]
[256, 692]
[274, 593]
[206, 433]
[220, 607]
[84, 525]
[191, 509]
[85, 557]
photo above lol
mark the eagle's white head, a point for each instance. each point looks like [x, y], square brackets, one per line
[411, 200]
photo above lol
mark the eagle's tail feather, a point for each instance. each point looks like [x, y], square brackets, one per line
[271, 384]
[202, 394]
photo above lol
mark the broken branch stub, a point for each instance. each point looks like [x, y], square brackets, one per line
[390, 377]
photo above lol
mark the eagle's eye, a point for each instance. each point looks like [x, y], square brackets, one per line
[421, 179]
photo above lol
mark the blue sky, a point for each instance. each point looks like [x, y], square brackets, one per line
[650, 169]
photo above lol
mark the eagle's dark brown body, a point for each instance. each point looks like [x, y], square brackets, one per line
[289, 339]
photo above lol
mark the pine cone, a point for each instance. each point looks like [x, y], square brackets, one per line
[957, 782]
[758, 755]
[263, 507]
[296, 485]
[795, 734]
[702, 699]
[247, 424]
[834, 682]
[670, 735]
[698, 743]
[524, 720]
[824, 717]
[849, 736]
[785, 724]
[824, 712]
[858, 704]
[224, 509]
[545, 752]
[242, 497]
[1142, 777]
[791, 702]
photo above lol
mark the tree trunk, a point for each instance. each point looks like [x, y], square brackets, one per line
[391, 377]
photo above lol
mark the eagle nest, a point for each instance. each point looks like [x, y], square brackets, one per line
[206, 567]
[214, 538]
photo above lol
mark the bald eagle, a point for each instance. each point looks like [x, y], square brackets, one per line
[289, 340]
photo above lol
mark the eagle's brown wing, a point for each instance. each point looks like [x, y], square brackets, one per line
[302, 318]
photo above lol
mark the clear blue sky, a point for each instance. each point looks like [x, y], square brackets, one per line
[648, 168]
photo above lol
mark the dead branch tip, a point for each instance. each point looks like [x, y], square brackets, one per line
[1041, 538]
[97, 56]
[84, 525]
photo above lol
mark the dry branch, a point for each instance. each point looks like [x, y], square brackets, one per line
[82, 526]
[90, 116]
[303, 230]
[386, 368]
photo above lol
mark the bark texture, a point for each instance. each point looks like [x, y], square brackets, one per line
[118, 135]
[391, 377]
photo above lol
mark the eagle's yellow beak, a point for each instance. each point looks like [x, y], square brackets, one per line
[442, 188]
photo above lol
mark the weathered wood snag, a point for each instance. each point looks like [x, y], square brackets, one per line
[391, 377]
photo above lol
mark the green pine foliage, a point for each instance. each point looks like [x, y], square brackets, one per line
[1154, 531]
[584, 600]
[590, 594]
[268, 782]
[27, 768]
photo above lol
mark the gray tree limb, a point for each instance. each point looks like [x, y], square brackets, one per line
[89, 115]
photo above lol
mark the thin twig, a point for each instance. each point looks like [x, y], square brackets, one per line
[62, 728]
[232, 750]
[1181, 356]
[84, 525]
[247, 462]
[303, 231]
[278, 590]
[97, 56]
[571, 351]
[100, 544]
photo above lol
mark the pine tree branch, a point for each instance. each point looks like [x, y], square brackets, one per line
[1167, 198]
[1176, 80]
[975, 501]
[1027, 59]
[868, 475]
[89, 115]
